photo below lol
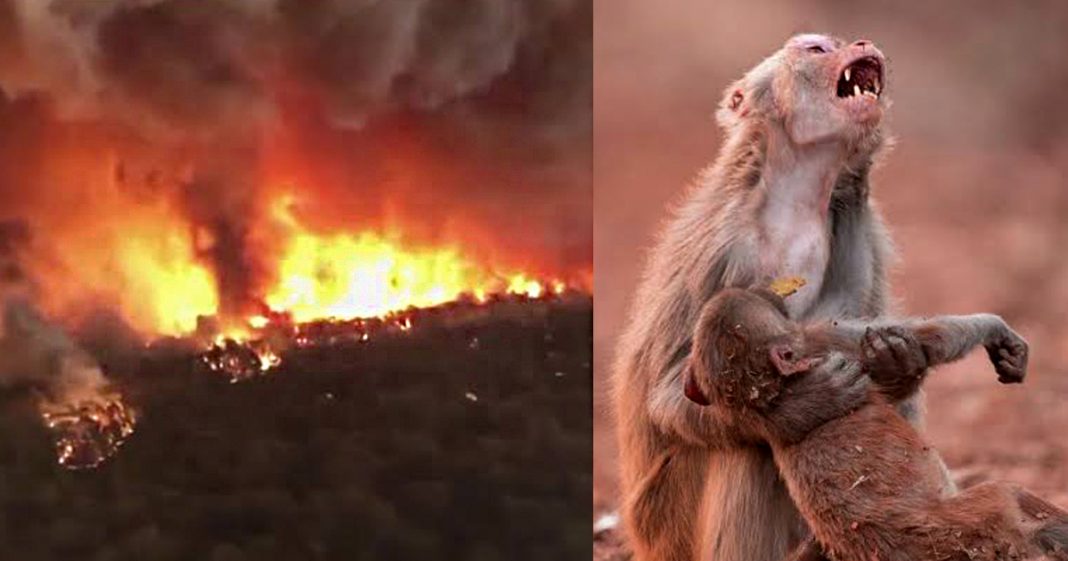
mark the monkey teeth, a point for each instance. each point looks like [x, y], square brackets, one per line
[863, 77]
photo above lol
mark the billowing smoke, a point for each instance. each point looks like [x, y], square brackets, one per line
[220, 66]
[464, 120]
[85, 413]
[37, 355]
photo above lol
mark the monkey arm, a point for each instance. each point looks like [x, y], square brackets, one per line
[834, 388]
[885, 346]
[672, 413]
[949, 338]
[860, 249]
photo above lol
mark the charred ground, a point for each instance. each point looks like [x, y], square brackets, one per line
[464, 439]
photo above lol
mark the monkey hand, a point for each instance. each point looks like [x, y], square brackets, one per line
[1008, 352]
[894, 358]
[835, 387]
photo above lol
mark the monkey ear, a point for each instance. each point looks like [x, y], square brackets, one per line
[734, 105]
[735, 101]
[787, 361]
[693, 392]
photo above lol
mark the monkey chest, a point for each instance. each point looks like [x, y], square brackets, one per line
[797, 247]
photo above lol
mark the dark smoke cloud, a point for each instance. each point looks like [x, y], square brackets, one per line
[221, 63]
[493, 95]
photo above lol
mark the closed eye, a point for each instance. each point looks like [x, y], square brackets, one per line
[815, 49]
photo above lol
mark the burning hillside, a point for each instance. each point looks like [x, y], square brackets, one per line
[327, 287]
[423, 443]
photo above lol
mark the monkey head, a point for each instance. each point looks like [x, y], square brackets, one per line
[744, 349]
[818, 88]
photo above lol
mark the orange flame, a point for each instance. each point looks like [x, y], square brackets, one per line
[129, 249]
[347, 276]
[143, 259]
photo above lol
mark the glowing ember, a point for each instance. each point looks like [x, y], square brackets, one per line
[88, 433]
[243, 354]
[240, 360]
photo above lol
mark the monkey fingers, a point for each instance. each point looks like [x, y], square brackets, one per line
[894, 359]
[835, 388]
[1009, 357]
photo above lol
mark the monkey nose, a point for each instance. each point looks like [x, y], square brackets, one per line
[862, 43]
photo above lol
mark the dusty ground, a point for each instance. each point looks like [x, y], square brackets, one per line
[975, 192]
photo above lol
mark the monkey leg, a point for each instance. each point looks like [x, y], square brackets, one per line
[749, 512]
[1051, 536]
[663, 510]
[1052, 539]
[991, 521]
[913, 410]
[1037, 508]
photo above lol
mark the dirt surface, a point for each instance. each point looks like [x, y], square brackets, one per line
[975, 192]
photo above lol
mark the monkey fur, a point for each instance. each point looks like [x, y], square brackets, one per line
[863, 478]
[787, 196]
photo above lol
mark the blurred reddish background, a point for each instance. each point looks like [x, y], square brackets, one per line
[975, 193]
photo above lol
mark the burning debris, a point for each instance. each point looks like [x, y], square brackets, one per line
[87, 433]
[240, 360]
[88, 421]
[261, 350]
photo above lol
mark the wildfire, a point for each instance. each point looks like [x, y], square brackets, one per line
[88, 432]
[240, 359]
[346, 276]
[322, 288]
[115, 245]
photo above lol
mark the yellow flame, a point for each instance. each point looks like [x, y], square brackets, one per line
[171, 293]
[150, 271]
[113, 245]
[258, 322]
[150, 263]
[346, 276]
[521, 284]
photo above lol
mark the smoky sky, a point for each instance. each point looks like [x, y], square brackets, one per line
[206, 64]
[493, 97]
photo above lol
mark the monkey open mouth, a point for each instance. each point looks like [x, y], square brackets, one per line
[863, 76]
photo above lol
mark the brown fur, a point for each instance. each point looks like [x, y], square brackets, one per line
[865, 480]
[695, 484]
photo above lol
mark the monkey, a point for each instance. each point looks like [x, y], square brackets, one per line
[788, 195]
[862, 476]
